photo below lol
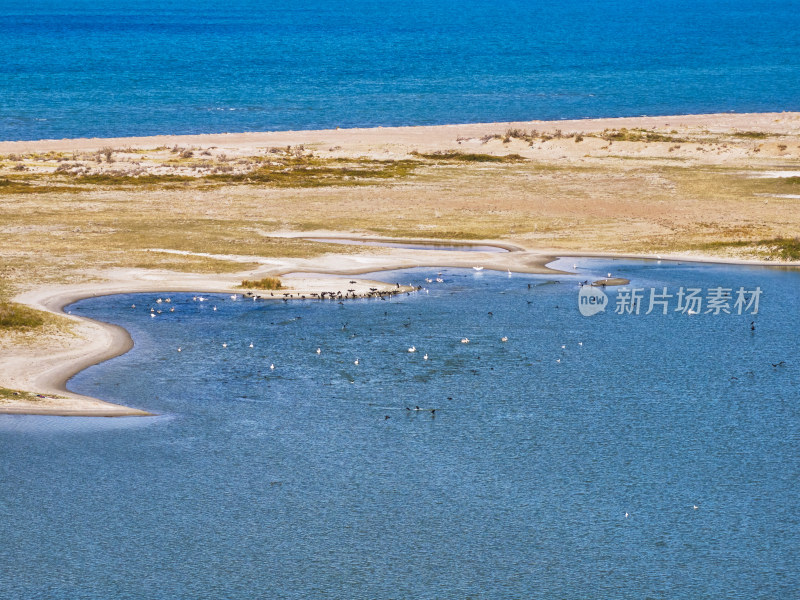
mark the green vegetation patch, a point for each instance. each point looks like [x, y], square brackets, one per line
[307, 172]
[15, 186]
[755, 135]
[7, 394]
[466, 157]
[131, 180]
[639, 135]
[780, 247]
[19, 316]
[268, 283]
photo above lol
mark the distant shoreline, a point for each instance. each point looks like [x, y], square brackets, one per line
[420, 133]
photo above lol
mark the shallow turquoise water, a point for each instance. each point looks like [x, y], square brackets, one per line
[291, 483]
[117, 67]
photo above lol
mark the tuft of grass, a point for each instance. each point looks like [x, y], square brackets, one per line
[310, 172]
[268, 283]
[466, 157]
[780, 247]
[130, 180]
[755, 135]
[13, 186]
[638, 135]
[19, 317]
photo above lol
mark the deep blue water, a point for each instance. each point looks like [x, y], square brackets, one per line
[291, 483]
[112, 68]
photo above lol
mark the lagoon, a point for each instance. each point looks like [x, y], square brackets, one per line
[545, 471]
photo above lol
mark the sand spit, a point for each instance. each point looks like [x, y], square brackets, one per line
[423, 137]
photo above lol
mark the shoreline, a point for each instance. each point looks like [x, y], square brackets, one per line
[588, 213]
[422, 134]
[48, 373]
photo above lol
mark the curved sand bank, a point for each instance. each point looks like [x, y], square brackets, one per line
[46, 371]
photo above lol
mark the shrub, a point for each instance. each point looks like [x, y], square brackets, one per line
[18, 316]
[268, 283]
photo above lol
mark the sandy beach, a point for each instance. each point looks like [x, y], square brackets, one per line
[88, 217]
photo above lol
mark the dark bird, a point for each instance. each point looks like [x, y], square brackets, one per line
[780, 364]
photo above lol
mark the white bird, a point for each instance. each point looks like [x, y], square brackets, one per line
[465, 340]
[509, 272]
[355, 362]
[133, 306]
[251, 344]
[272, 367]
[574, 266]
[439, 280]
[153, 315]
[425, 357]
[694, 506]
[319, 350]
[609, 275]
[558, 360]
[159, 301]
[168, 300]
[478, 268]
[224, 345]
[215, 308]
[179, 350]
[580, 343]
[201, 299]
[233, 297]
[504, 339]
[428, 280]
[194, 298]
[172, 309]
[412, 349]
[626, 515]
